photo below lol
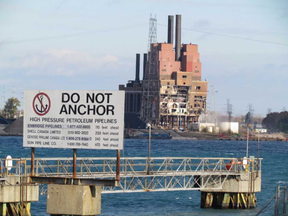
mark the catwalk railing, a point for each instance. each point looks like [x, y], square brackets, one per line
[164, 173]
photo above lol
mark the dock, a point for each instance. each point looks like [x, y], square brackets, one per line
[223, 182]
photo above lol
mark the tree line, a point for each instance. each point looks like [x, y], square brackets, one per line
[276, 122]
[10, 108]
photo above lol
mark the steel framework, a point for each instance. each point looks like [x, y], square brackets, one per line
[152, 37]
[165, 173]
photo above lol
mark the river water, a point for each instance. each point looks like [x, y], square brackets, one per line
[274, 172]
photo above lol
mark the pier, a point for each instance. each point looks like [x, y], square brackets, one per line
[223, 182]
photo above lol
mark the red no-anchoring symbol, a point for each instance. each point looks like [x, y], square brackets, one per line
[40, 107]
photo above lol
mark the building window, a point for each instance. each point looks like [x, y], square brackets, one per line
[198, 87]
[184, 83]
[184, 76]
[163, 69]
[197, 71]
[168, 83]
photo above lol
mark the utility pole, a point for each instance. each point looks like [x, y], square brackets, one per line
[247, 148]
[149, 148]
[212, 104]
[179, 111]
[229, 112]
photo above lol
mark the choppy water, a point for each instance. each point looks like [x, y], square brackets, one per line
[274, 172]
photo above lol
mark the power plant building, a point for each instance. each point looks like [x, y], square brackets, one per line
[133, 90]
[172, 93]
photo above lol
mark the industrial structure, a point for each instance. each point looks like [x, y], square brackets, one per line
[133, 90]
[172, 92]
[223, 182]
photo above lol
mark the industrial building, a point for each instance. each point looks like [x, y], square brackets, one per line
[133, 90]
[172, 92]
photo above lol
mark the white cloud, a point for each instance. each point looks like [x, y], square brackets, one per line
[63, 62]
[110, 58]
[62, 52]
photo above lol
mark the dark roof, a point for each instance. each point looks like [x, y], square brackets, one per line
[4, 121]
[16, 128]
[132, 121]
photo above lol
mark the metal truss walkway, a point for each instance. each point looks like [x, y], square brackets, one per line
[164, 173]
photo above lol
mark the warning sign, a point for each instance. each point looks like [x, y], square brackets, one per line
[74, 119]
[41, 104]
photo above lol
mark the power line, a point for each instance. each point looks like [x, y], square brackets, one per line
[73, 35]
[231, 36]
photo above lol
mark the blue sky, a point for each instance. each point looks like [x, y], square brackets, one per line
[74, 45]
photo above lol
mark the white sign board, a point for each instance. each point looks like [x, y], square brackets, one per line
[74, 119]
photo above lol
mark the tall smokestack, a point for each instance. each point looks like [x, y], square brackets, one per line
[178, 38]
[144, 64]
[137, 67]
[170, 29]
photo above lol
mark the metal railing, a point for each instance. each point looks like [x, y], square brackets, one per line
[165, 173]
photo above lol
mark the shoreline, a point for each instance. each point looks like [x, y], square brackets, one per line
[188, 135]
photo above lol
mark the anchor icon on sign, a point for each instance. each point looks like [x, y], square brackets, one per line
[42, 109]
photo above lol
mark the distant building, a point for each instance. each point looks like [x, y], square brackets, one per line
[172, 92]
[133, 90]
[225, 127]
[203, 127]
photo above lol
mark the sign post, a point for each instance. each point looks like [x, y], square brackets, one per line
[118, 167]
[32, 160]
[74, 120]
[74, 163]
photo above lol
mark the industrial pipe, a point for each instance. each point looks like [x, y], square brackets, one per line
[137, 68]
[178, 38]
[170, 29]
[144, 64]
